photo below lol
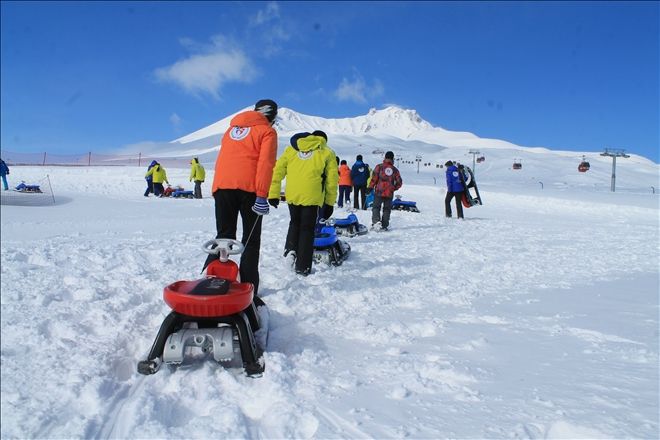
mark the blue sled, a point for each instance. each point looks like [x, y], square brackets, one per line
[328, 248]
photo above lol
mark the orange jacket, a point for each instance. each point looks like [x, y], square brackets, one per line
[247, 155]
[345, 175]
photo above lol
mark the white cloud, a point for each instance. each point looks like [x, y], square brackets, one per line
[271, 29]
[175, 120]
[209, 71]
[358, 90]
[270, 13]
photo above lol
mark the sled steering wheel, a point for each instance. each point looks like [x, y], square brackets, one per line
[223, 248]
[327, 221]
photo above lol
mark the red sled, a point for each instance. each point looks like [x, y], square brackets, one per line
[216, 315]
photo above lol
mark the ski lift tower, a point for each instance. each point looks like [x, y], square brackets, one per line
[614, 153]
[418, 159]
[474, 155]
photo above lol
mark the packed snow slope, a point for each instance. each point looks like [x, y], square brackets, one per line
[536, 317]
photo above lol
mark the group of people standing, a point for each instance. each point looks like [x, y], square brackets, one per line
[248, 178]
[156, 175]
[357, 177]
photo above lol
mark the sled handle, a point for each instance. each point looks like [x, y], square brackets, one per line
[224, 247]
[327, 222]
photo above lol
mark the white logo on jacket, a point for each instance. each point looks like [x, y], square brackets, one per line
[388, 171]
[239, 133]
[304, 155]
[455, 173]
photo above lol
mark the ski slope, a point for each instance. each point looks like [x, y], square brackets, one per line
[536, 317]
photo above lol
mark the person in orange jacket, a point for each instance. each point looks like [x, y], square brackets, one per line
[243, 173]
[345, 185]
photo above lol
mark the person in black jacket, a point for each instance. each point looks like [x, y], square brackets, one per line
[359, 176]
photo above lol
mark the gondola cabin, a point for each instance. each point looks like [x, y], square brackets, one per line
[480, 159]
[584, 166]
[517, 165]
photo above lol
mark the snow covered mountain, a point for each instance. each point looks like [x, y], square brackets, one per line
[421, 149]
[403, 131]
[390, 124]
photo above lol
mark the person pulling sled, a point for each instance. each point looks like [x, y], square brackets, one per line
[310, 168]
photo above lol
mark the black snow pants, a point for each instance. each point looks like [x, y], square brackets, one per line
[459, 204]
[386, 203]
[300, 237]
[228, 204]
[359, 196]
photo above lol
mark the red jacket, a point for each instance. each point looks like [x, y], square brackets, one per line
[386, 179]
[247, 155]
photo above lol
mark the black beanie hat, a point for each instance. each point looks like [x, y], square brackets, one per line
[320, 133]
[449, 163]
[268, 108]
[389, 155]
[359, 157]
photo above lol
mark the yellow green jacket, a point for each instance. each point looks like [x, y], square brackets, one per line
[158, 173]
[310, 169]
[197, 171]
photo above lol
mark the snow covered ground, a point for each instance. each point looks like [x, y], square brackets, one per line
[536, 317]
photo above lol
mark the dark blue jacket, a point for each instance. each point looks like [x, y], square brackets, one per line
[454, 182]
[360, 173]
[4, 169]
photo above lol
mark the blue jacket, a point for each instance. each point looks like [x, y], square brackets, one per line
[360, 173]
[4, 169]
[454, 182]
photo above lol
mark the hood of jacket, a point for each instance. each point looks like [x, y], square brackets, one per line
[307, 142]
[249, 118]
[153, 162]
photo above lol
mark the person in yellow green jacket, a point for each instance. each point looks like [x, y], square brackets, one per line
[197, 174]
[158, 174]
[310, 169]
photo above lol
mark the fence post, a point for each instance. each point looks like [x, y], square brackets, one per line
[89, 159]
[51, 188]
[139, 159]
[44, 163]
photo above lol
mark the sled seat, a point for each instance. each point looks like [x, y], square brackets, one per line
[208, 297]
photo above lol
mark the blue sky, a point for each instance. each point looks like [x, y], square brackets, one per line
[95, 76]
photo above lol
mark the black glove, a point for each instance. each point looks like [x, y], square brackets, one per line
[274, 202]
[327, 211]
